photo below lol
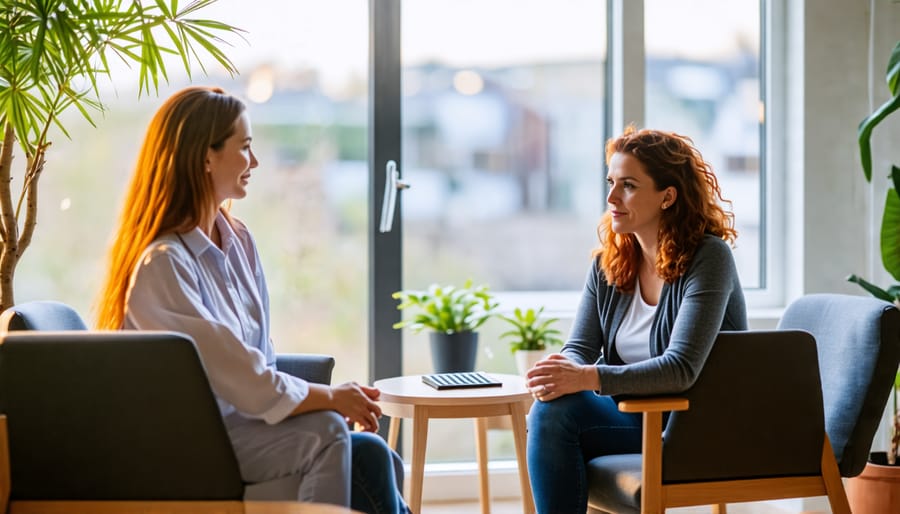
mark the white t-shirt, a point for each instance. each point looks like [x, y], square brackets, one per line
[633, 338]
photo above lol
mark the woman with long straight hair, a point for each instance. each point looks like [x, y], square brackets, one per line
[661, 285]
[180, 262]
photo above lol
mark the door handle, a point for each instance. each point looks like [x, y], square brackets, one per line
[392, 184]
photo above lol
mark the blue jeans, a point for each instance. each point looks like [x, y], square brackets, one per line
[376, 476]
[566, 433]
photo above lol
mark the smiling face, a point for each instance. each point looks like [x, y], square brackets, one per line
[635, 204]
[230, 165]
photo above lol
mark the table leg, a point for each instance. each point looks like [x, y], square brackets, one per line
[517, 413]
[481, 456]
[420, 439]
[393, 432]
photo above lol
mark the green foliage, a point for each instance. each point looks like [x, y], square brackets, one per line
[530, 332]
[53, 52]
[890, 219]
[446, 309]
[52, 55]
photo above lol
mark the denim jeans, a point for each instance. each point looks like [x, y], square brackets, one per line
[376, 476]
[563, 435]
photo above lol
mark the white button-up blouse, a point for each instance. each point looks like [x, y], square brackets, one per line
[219, 297]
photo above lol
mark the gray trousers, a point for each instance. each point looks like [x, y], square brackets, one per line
[303, 458]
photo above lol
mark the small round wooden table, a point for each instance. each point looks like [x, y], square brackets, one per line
[409, 397]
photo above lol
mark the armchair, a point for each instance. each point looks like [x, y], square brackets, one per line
[774, 414]
[52, 315]
[102, 421]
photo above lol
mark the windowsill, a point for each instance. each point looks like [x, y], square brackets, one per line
[764, 318]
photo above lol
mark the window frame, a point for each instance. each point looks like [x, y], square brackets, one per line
[625, 101]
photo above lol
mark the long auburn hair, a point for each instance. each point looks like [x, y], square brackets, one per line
[170, 190]
[671, 160]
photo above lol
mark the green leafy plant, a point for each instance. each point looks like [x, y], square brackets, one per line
[530, 331]
[890, 220]
[447, 309]
[52, 55]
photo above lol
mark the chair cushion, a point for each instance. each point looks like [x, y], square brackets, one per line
[615, 483]
[858, 341]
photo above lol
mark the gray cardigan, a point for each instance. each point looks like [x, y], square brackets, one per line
[692, 310]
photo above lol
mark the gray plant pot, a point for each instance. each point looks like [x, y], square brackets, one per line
[453, 352]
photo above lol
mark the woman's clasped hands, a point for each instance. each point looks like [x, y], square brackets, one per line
[356, 402]
[557, 375]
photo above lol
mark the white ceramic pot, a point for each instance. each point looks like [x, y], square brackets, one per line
[525, 359]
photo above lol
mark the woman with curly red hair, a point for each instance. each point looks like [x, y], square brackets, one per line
[662, 284]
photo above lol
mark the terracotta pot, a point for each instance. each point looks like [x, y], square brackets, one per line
[877, 489]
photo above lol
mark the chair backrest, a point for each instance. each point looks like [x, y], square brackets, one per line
[118, 415]
[858, 341]
[755, 411]
[41, 315]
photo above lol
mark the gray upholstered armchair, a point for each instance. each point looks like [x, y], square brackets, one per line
[774, 414]
[124, 416]
[52, 315]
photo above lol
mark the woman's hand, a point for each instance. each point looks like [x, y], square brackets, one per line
[356, 403]
[557, 375]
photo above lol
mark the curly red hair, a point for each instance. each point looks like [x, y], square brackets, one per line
[670, 160]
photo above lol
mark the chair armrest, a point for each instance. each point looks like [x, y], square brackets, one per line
[5, 485]
[651, 444]
[308, 366]
[655, 404]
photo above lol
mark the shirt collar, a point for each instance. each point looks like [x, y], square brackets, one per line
[198, 243]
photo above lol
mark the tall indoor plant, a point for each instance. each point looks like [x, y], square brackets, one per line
[453, 315]
[879, 483]
[53, 53]
[890, 222]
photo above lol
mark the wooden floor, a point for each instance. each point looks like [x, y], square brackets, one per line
[515, 507]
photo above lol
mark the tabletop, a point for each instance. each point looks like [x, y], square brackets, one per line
[411, 390]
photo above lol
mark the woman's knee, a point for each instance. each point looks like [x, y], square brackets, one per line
[370, 447]
[372, 452]
[334, 423]
[331, 428]
[556, 415]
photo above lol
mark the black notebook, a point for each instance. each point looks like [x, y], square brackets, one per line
[460, 380]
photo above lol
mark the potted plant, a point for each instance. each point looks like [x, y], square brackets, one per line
[453, 315]
[53, 53]
[872, 490]
[530, 337]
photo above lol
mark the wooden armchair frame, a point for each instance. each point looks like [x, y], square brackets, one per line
[656, 497]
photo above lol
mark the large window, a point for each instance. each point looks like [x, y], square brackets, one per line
[703, 80]
[505, 111]
[303, 75]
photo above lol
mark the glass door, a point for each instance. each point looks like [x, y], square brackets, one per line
[502, 108]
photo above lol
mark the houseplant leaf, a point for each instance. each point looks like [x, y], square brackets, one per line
[890, 234]
[893, 71]
[874, 290]
[865, 133]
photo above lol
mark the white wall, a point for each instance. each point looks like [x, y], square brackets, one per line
[830, 207]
